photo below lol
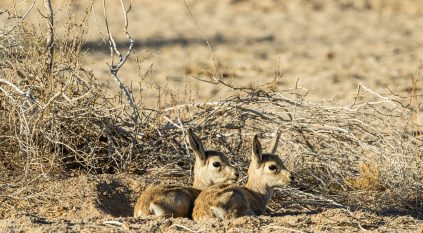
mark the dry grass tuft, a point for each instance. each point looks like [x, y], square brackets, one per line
[367, 180]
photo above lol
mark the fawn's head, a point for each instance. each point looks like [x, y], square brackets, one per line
[211, 167]
[267, 169]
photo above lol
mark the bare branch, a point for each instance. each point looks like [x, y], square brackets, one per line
[50, 35]
[114, 69]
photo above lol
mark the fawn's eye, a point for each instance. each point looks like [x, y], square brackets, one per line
[216, 164]
[273, 167]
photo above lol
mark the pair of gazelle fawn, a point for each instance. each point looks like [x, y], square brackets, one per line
[214, 194]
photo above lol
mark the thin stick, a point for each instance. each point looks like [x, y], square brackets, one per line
[27, 94]
[50, 36]
[184, 227]
[114, 69]
[217, 79]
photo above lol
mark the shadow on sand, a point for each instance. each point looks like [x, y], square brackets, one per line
[114, 199]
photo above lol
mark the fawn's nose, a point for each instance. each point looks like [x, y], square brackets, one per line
[291, 177]
[236, 174]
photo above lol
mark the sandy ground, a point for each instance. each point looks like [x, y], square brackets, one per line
[327, 46]
[104, 203]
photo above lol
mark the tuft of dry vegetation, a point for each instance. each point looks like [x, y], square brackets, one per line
[56, 117]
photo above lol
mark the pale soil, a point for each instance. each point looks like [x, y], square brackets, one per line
[86, 203]
[329, 46]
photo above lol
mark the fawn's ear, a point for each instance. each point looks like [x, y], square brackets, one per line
[196, 145]
[257, 154]
[274, 147]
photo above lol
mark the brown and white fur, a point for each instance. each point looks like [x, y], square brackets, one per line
[211, 167]
[223, 201]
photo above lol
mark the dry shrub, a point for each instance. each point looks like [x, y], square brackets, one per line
[63, 119]
[54, 119]
[334, 151]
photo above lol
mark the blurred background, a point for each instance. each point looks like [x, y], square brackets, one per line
[328, 46]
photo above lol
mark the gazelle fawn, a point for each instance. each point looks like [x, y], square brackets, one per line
[211, 167]
[266, 172]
